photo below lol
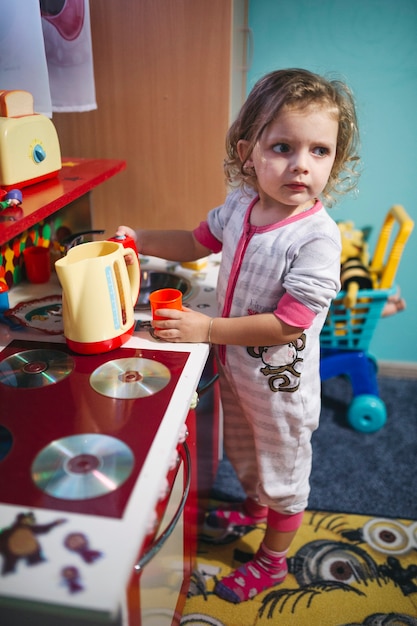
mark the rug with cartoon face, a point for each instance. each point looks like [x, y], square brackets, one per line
[344, 570]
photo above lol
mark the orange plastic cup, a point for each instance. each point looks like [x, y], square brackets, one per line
[37, 263]
[165, 299]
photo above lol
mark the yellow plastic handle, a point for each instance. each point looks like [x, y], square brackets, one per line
[133, 271]
[383, 274]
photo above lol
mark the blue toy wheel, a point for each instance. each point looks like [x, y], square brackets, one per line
[367, 413]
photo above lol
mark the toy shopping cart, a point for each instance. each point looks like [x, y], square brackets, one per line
[347, 332]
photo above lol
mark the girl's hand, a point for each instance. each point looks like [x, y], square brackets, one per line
[123, 231]
[185, 326]
[126, 230]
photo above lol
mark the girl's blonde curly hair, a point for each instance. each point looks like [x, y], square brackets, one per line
[296, 89]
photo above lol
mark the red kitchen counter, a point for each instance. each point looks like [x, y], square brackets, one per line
[76, 178]
[37, 595]
[41, 594]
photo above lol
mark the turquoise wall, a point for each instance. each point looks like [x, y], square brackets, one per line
[372, 44]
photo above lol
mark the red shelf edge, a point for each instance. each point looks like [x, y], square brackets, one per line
[102, 170]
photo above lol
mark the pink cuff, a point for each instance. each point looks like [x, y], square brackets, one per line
[294, 313]
[284, 523]
[204, 236]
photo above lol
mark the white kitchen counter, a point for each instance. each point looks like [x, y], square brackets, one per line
[105, 583]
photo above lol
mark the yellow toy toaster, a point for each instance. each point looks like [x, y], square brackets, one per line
[29, 145]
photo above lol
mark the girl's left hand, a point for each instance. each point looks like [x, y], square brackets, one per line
[185, 326]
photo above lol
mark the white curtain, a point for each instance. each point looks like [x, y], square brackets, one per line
[69, 54]
[22, 52]
[45, 48]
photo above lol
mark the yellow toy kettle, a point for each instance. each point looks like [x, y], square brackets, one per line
[99, 292]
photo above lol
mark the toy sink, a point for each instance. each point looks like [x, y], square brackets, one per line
[152, 280]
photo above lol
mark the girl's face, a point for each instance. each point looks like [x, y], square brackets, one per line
[293, 158]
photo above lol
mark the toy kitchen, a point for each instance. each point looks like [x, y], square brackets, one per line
[103, 456]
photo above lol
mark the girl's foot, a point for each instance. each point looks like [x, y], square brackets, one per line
[246, 514]
[266, 570]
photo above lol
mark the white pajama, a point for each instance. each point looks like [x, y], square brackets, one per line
[271, 394]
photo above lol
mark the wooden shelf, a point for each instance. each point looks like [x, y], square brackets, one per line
[76, 178]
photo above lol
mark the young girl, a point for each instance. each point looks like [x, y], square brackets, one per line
[293, 142]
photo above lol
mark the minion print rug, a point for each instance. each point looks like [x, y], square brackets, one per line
[344, 570]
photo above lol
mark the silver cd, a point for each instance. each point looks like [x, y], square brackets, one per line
[130, 378]
[82, 466]
[35, 368]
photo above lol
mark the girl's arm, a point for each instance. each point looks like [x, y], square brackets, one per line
[173, 245]
[188, 326]
[265, 329]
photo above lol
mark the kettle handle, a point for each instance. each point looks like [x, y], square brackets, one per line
[133, 271]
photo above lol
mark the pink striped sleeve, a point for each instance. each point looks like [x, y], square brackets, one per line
[294, 313]
[204, 236]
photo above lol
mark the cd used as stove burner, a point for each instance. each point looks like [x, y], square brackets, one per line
[82, 466]
[130, 378]
[35, 368]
